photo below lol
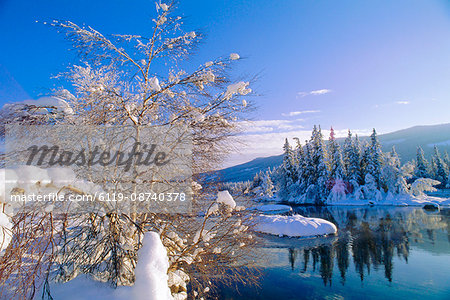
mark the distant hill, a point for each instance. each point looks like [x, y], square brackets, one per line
[405, 141]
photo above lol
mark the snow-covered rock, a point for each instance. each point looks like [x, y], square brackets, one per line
[430, 205]
[294, 226]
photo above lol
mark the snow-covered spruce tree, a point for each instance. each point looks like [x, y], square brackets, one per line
[352, 155]
[319, 161]
[373, 157]
[422, 166]
[440, 172]
[267, 185]
[287, 171]
[335, 157]
[308, 169]
[446, 159]
[298, 186]
[138, 80]
[257, 180]
[347, 149]
[392, 179]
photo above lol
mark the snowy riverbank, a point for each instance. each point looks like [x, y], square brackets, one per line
[386, 200]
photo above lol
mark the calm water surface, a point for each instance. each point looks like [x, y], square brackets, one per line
[379, 253]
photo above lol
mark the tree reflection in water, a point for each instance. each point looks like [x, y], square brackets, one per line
[369, 236]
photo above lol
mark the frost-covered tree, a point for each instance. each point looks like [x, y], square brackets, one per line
[446, 159]
[335, 157]
[392, 178]
[440, 172]
[287, 171]
[319, 160]
[267, 185]
[307, 178]
[300, 169]
[422, 166]
[145, 80]
[370, 190]
[352, 154]
[257, 180]
[374, 158]
[347, 149]
[421, 185]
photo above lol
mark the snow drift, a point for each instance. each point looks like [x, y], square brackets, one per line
[294, 226]
[151, 270]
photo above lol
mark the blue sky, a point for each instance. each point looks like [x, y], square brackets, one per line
[346, 64]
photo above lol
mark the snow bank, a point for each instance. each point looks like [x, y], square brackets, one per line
[294, 226]
[151, 270]
[274, 208]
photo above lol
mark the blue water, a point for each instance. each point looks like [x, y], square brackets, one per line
[379, 253]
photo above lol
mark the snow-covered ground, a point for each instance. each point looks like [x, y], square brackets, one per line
[294, 226]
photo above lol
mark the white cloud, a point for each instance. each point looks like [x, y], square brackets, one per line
[403, 102]
[320, 92]
[269, 125]
[296, 113]
[391, 104]
[314, 93]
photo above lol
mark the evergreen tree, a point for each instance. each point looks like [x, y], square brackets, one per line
[347, 149]
[440, 168]
[392, 177]
[446, 159]
[364, 146]
[374, 156]
[257, 180]
[354, 168]
[308, 167]
[319, 160]
[289, 161]
[300, 167]
[422, 165]
[287, 170]
[335, 160]
[395, 158]
[267, 185]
